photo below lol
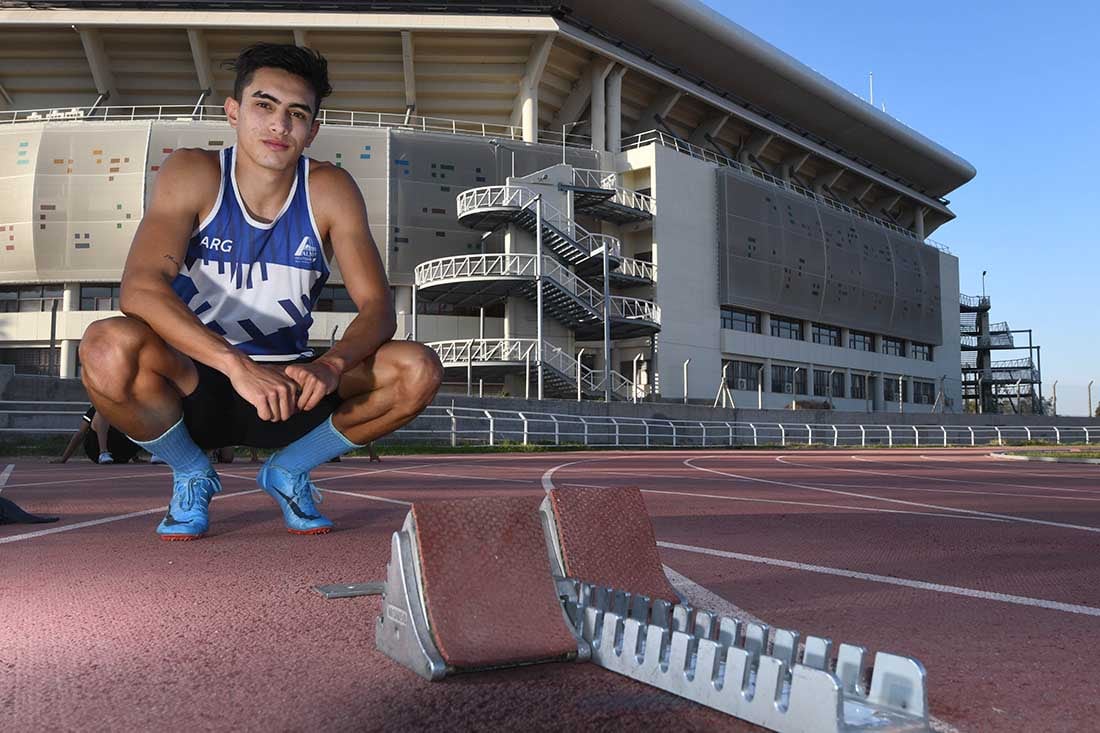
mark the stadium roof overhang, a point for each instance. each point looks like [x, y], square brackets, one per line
[737, 73]
[741, 65]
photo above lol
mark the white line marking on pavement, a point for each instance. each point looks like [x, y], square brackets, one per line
[699, 597]
[107, 520]
[369, 496]
[112, 477]
[4, 476]
[783, 460]
[886, 579]
[974, 512]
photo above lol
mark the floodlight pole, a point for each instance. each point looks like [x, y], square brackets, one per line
[606, 325]
[1054, 399]
[579, 354]
[686, 362]
[1090, 397]
[538, 287]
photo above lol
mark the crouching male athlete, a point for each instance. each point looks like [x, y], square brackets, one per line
[217, 292]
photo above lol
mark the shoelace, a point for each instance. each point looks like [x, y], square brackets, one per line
[195, 485]
[303, 488]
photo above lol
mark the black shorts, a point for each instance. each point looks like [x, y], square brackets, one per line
[216, 416]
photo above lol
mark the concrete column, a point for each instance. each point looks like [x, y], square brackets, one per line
[68, 358]
[599, 111]
[918, 222]
[70, 298]
[529, 111]
[878, 400]
[615, 110]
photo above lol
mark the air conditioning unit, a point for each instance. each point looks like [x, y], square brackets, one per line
[742, 384]
[788, 388]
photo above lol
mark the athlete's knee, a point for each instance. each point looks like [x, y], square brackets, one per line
[110, 352]
[421, 374]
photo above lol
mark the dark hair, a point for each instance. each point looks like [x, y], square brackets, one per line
[303, 62]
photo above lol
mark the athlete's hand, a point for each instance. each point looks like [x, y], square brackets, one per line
[268, 389]
[316, 379]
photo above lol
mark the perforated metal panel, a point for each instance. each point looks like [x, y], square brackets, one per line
[781, 253]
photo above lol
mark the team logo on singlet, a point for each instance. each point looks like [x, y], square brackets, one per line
[220, 245]
[307, 250]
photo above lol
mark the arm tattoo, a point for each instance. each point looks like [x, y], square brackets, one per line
[174, 261]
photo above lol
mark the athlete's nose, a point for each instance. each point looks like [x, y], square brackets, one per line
[280, 124]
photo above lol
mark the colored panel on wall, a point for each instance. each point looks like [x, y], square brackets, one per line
[19, 147]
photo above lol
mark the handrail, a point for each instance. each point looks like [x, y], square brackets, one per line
[517, 197]
[974, 301]
[468, 351]
[637, 268]
[215, 113]
[523, 266]
[682, 146]
[609, 181]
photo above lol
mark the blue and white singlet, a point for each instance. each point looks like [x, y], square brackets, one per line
[256, 284]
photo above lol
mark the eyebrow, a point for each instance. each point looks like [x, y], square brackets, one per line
[292, 105]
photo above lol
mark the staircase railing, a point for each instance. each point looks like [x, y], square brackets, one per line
[637, 268]
[517, 197]
[609, 181]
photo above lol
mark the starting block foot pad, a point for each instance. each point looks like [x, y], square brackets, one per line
[605, 537]
[469, 587]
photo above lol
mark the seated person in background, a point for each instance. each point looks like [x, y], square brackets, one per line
[102, 443]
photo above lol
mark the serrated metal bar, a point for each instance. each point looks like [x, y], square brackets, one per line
[783, 686]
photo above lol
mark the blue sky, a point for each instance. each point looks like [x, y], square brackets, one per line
[1014, 88]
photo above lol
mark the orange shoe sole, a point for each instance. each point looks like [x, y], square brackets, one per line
[320, 530]
[181, 537]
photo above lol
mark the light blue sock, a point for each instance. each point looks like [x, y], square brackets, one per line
[321, 444]
[178, 450]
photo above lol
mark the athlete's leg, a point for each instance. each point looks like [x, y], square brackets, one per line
[387, 391]
[137, 381]
[133, 377]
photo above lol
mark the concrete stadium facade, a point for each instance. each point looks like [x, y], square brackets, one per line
[565, 200]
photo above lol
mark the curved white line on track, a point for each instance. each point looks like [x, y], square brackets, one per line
[5, 474]
[886, 579]
[861, 459]
[752, 500]
[1008, 517]
[369, 496]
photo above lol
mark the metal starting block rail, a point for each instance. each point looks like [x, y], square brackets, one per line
[729, 666]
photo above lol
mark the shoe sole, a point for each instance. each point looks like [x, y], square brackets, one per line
[319, 530]
[181, 537]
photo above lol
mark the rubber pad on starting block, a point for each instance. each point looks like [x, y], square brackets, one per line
[469, 588]
[605, 537]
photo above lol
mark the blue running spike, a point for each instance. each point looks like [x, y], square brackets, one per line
[294, 493]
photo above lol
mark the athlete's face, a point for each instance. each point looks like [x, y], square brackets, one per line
[274, 118]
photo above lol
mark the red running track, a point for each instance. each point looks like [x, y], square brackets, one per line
[986, 570]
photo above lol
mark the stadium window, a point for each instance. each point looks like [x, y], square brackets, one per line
[740, 320]
[861, 341]
[838, 384]
[821, 383]
[335, 299]
[742, 375]
[924, 393]
[30, 298]
[892, 346]
[99, 297]
[827, 335]
[890, 389]
[788, 380]
[922, 352]
[785, 328]
[859, 386]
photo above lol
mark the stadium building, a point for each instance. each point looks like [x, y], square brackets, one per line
[633, 199]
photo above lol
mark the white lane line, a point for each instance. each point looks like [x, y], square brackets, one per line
[107, 520]
[888, 580]
[396, 469]
[781, 459]
[973, 512]
[111, 477]
[369, 496]
[699, 597]
[5, 475]
[752, 500]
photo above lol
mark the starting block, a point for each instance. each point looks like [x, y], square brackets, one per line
[468, 587]
[478, 584]
[604, 537]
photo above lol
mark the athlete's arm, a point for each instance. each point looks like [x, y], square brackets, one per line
[342, 218]
[74, 442]
[181, 194]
